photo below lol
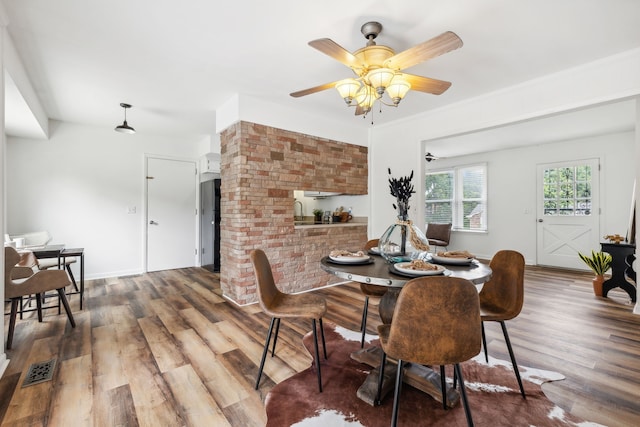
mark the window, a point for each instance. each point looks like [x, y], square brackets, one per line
[458, 196]
[567, 191]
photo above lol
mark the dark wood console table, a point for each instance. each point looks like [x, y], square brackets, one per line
[620, 252]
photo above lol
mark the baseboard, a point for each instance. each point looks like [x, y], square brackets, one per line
[4, 362]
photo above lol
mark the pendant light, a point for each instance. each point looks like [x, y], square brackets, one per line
[124, 127]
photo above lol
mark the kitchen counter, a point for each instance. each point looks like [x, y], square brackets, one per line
[308, 222]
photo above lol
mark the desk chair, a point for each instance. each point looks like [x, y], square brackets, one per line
[369, 291]
[501, 298]
[438, 234]
[25, 267]
[65, 263]
[42, 238]
[436, 322]
[36, 284]
[278, 304]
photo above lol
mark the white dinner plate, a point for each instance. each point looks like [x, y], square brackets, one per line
[403, 268]
[345, 258]
[451, 260]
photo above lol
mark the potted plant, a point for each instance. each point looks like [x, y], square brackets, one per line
[600, 263]
[317, 215]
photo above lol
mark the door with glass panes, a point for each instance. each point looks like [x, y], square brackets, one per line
[568, 212]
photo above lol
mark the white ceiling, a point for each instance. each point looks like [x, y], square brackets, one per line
[597, 120]
[177, 62]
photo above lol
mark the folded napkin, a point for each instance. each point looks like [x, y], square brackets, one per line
[456, 254]
[338, 253]
[420, 265]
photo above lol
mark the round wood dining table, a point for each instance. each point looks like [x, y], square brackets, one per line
[380, 272]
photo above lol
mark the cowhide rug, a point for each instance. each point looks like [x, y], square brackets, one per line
[492, 392]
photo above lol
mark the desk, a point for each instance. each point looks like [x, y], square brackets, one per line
[47, 251]
[75, 252]
[378, 273]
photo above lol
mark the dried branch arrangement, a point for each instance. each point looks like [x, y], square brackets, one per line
[401, 189]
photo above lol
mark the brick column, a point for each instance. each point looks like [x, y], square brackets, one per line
[261, 166]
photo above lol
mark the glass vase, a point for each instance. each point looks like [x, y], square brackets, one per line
[403, 242]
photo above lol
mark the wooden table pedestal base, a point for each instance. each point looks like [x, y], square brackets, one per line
[421, 377]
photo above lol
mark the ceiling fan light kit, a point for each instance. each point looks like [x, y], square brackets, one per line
[378, 69]
[124, 127]
[348, 89]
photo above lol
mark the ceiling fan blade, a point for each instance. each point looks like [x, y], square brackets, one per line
[334, 50]
[425, 84]
[437, 46]
[315, 89]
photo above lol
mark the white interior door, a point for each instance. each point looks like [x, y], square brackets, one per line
[171, 214]
[568, 212]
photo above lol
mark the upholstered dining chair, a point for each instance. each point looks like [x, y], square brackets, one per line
[438, 234]
[501, 298]
[369, 291]
[278, 305]
[436, 322]
[35, 284]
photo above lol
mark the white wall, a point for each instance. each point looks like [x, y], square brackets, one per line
[512, 185]
[79, 184]
[399, 145]
[251, 109]
[4, 362]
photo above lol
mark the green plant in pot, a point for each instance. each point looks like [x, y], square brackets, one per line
[317, 215]
[600, 263]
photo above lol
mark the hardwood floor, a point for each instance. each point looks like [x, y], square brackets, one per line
[166, 349]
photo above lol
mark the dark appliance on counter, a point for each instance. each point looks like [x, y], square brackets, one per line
[210, 224]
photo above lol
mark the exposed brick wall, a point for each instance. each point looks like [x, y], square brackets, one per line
[261, 166]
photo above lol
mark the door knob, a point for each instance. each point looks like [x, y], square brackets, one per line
[152, 222]
[540, 220]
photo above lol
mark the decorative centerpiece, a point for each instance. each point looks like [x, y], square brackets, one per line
[402, 241]
[600, 263]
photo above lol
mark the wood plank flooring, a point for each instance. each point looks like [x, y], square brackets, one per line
[166, 349]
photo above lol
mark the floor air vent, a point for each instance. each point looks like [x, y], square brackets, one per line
[39, 372]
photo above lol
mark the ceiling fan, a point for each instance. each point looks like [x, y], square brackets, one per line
[378, 69]
[430, 157]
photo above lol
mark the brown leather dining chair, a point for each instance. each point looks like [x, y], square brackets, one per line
[278, 305]
[369, 291]
[438, 234]
[502, 297]
[436, 322]
[35, 284]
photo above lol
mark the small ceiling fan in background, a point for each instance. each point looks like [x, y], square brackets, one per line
[378, 69]
[430, 157]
